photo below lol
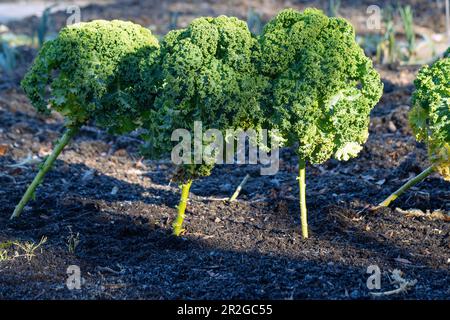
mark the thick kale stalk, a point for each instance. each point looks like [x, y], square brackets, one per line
[208, 74]
[239, 188]
[302, 190]
[323, 88]
[178, 223]
[430, 121]
[90, 72]
[411, 183]
[45, 167]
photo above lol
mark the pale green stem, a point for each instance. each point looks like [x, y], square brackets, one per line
[407, 185]
[302, 188]
[239, 188]
[178, 223]
[62, 142]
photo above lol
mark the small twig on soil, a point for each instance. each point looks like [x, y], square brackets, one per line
[115, 286]
[404, 285]
[367, 207]
[201, 235]
[259, 200]
[29, 160]
[200, 198]
[435, 215]
[206, 268]
[39, 295]
[108, 269]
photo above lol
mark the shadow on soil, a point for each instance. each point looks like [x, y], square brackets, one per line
[126, 249]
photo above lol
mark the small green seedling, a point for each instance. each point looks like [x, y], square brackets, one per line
[29, 248]
[90, 72]
[323, 88]
[430, 121]
[407, 16]
[72, 241]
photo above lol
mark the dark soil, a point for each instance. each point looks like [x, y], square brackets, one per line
[122, 207]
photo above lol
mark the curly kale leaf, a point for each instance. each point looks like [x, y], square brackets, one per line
[209, 74]
[430, 115]
[323, 86]
[91, 71]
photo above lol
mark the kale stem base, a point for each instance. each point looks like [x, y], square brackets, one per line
[406, 186]
[239, 188]
[62, 142]
[302, 188]
[178, 223]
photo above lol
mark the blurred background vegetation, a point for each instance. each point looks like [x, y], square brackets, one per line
[410, 32]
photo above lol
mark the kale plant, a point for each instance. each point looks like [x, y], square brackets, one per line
[90, 72]
[208, 74]
[323, 88]
[430, 121]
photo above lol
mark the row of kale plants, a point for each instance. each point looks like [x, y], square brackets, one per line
[305, 78]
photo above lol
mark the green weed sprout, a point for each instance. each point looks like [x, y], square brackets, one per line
[43, 26]
[387, 47]
[208, 74]
[90, 72]
[29, 247]
[430, 121]
[407, 16]
[323, 88]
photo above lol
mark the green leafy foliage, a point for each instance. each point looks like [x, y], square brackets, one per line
[92, 71]
[323, 86]
[208, 73]
[430, 115]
